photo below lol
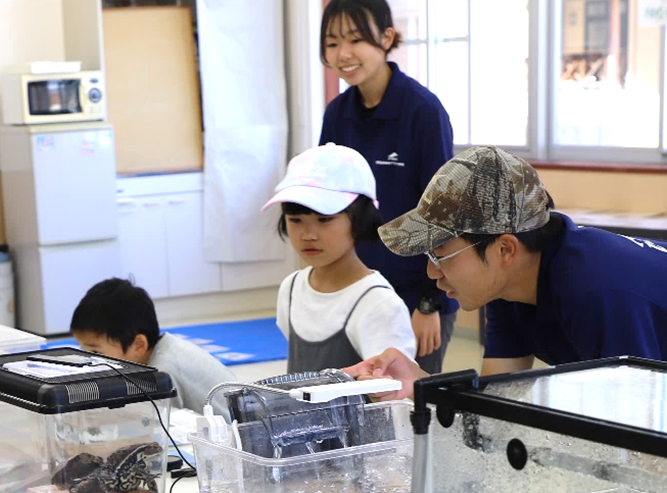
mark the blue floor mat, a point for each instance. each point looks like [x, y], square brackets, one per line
[233, 343]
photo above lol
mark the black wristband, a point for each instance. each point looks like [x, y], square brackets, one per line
[428, 305]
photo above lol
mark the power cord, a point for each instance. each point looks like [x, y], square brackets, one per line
[159, 417]
[171, 488]
[189, 473]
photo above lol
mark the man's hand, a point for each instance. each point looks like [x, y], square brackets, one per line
[427, 332]
[390, 364]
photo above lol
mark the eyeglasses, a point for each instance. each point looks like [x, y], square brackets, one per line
[436, 260]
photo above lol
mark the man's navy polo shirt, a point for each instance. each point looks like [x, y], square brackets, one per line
[598, 295]
[407, 139]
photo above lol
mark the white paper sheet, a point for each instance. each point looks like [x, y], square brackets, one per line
[42, 369]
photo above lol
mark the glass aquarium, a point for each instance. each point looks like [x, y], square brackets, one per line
[585, 427]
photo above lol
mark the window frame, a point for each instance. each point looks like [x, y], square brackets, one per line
[545, 36]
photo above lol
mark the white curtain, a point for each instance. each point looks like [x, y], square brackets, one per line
[245, 126]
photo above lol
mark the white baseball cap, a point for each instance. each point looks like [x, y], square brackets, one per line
[326, 179]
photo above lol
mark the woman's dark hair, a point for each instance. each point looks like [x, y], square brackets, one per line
[364, 216]
[118, 310]
[534, 241]
[361, 13]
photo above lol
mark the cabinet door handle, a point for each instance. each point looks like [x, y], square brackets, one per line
[126, 206]
[176, 201]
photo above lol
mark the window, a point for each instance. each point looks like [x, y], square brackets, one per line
[607, 91]
[473, 54]
[558, 79]
[412, 55]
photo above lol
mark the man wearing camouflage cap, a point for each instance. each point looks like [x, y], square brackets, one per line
[553, 290]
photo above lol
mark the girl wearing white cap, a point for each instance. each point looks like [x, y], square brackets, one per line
[336, 312]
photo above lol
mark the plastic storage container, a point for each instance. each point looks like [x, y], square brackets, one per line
[81, 429]
[381, 461]
[585, 427]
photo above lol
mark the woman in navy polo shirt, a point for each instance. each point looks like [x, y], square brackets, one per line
[403, 131]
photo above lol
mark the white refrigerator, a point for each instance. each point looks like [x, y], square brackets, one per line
[59, 197]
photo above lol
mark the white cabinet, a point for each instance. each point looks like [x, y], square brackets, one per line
[161, 235]
[252, 275]
[161, 238]
[187, 271]
[143, 243]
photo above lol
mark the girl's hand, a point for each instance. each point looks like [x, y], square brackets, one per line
[427, 332]
[390, 364]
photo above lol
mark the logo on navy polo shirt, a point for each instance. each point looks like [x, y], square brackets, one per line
[643, 242]
[392, 160]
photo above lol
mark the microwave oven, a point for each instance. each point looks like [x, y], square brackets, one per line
[30, 99]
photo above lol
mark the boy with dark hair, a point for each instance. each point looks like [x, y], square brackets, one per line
[117, 319]
[555, 291]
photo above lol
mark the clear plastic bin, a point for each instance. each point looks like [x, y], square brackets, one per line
[34, 448]
[382, 463]
[91, 432]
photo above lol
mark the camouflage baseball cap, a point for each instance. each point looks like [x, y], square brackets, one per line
[483, 190]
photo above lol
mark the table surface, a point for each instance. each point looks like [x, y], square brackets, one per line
[634, 220]
[185, 485]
